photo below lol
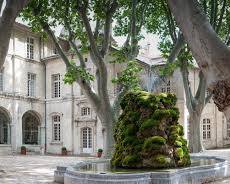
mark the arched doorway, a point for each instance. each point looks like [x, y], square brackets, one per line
[30, 128]
[4, 126]
[87, 140]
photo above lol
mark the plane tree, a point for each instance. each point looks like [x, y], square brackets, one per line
[205, 27]
[90, 24]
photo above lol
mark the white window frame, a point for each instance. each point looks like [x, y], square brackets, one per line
[56, 85]
[85, 111]
[167, 87]
[206, 129]
[87, 137]
[56, 122]
[30, 48]
[31, 84]
[1, 80]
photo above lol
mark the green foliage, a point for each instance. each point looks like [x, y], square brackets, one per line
[74, 72]
[129, 77]
[148, 127]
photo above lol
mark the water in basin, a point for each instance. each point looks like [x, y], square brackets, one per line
[105, 167]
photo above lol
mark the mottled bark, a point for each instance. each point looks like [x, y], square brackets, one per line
[195, 141]
[9, 14]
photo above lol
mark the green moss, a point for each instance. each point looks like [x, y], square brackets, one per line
[179, 152]
[149, 123]
[161, 159]
[130, 161]
[178, 144]
[130, 130]
[147, 131]
[154, 143]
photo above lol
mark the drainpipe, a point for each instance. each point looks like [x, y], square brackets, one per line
[42, 55]
[72, 117]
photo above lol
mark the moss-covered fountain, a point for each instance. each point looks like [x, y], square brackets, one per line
[148, 134]
[149, 148]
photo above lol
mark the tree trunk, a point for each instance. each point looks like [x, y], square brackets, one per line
[108, 139]
[195, 141]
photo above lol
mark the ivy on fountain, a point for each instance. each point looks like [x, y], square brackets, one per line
[148, 134]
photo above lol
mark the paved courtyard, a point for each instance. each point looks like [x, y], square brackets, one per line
[34, 169]
[31, 169]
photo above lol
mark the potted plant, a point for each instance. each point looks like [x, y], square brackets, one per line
[23, 150]
[99, 152]
[63, 151]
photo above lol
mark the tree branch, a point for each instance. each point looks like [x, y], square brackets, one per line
[93, 98]
[222, 11]
[96, 31]
[202, 87]
[212, 55]
[208, 98]
[133, 30]
[9, 14]
[1, 2]
[170, 27]
[116, 103]
[173, 55]
[202, 82]
[188, 93]
[47, 29]
[107, 27]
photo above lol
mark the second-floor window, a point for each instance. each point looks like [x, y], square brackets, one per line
[56, 88]
[1, 80]
[85, 111]
[166, 88]
[206, 128]
[30, 48]
[31, 84]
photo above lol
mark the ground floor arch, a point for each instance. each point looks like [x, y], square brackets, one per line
[5, 130]
[31, 128]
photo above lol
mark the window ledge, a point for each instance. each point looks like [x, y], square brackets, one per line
[56, 143]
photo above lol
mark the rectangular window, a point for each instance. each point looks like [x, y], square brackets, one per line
[56, 128]
[85, 111]
[166, 88]
[56, 88]
[1, 80]
[206, 129]
[30, 48]
[31, 84]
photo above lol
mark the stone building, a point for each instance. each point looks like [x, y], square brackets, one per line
[39, 111]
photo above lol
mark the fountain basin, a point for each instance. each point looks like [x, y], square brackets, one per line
[203, 169]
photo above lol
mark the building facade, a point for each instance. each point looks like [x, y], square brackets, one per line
[39, 111]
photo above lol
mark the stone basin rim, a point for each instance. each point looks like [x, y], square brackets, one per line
[222, 162]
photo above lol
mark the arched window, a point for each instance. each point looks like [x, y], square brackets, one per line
[85, 111]
[4, 127]
[87, 139]
[30, 128]
[56, 128]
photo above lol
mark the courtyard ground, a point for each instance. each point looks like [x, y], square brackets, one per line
[34, 169]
